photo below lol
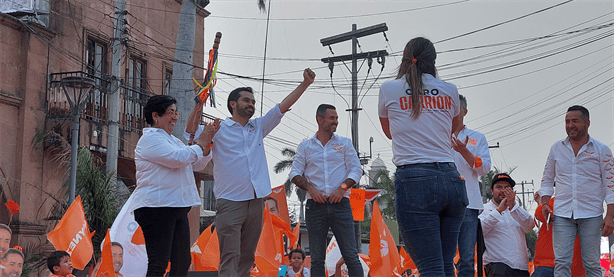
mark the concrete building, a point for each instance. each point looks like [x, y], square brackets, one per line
[43, 41]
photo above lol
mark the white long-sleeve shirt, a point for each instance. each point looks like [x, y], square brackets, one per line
[326, 166]
[583, 182]
[504, 235]
[239, 161]
[165, 171]
[478, 146]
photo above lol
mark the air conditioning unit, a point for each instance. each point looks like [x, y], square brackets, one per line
[17, 6]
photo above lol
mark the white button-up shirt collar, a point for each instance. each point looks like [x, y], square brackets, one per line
[327, 166]
[478, 146]
[583, 182]
[239, 162]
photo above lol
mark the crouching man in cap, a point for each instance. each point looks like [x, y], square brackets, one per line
[504, 224]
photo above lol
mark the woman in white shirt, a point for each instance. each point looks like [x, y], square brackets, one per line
[431, 196]
[166, 189]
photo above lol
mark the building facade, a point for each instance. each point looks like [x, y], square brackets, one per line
[41, 43]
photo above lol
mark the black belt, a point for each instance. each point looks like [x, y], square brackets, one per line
[450, 164]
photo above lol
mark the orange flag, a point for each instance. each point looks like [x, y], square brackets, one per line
[206, 251]
[138, 237]
[297, 234]
[385, 259]
[72, 235]
[270, 249]
[406, 261]
[357, 201]
[279, 193]
[106, 268]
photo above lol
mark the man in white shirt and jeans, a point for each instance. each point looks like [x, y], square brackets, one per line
[472, 159]
[504, 224]
[241, 175]
[582, 168]
[330, 167]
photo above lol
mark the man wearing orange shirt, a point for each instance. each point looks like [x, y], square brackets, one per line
[544, 253]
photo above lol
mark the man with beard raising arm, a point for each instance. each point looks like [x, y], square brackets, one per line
[242, 176]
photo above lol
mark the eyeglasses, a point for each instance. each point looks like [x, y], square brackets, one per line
[173, 113]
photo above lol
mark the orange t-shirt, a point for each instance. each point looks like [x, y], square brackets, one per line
[55, 275]
[544, 253]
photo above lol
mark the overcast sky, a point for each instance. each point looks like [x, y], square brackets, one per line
[520, 64]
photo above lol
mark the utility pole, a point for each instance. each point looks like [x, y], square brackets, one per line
[527, 192]
[354, 35]
[114, 95]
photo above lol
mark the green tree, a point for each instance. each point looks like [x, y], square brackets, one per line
[97, 194]
[388, 195]
[283, 165]
[531, 239]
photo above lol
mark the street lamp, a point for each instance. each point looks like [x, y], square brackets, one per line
[77, 90]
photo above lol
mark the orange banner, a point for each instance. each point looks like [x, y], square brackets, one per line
[106, 259]
[72, 235]
[357, 201]
[270, 249]
[280, 204]
[206, 251]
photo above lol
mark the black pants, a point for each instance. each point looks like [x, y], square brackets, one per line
[167, 238]
[503, 270]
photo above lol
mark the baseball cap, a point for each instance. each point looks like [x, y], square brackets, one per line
[503, 177]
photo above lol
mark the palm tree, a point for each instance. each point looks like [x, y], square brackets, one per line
[287, 164]
[388, 196]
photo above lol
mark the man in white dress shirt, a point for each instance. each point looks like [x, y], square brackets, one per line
[472, 159]
[504, 224]
[326, 166]
[242, 177]
[583, 170]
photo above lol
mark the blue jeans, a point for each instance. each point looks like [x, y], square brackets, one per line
[466, 243]
[319, 217]
[431, 202]
[563, 237]
[543, 271]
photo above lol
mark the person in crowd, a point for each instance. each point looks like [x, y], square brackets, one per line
[418, 112]
[13, 263]
[327, 166]
[5, 238]
[59, 264]
[472, 158]
[242, 176]
[504, 224]
[582, 169]
[118, 257]
[296, 269]
[544, 253]
[166, 189]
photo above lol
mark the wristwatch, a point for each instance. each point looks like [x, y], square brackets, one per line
[344, 186]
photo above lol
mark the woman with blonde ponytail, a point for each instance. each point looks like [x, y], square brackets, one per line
[417, 112]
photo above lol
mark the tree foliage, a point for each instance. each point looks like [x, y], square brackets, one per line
[388, 195]
[283, 165]
[97, 195]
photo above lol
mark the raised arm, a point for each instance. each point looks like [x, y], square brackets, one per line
[308, 77]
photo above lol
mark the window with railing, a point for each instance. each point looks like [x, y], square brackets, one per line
[168, 75]
[96, 54]
[134, 96]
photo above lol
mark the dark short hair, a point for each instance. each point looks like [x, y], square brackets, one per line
[582, 109]
[13, 251]
[297, 250]
[321, 111]
[6, 227]
[114, 243]
[270, 198]
[54, 259]
[235, 94]
[157, 104]
[463, 101]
